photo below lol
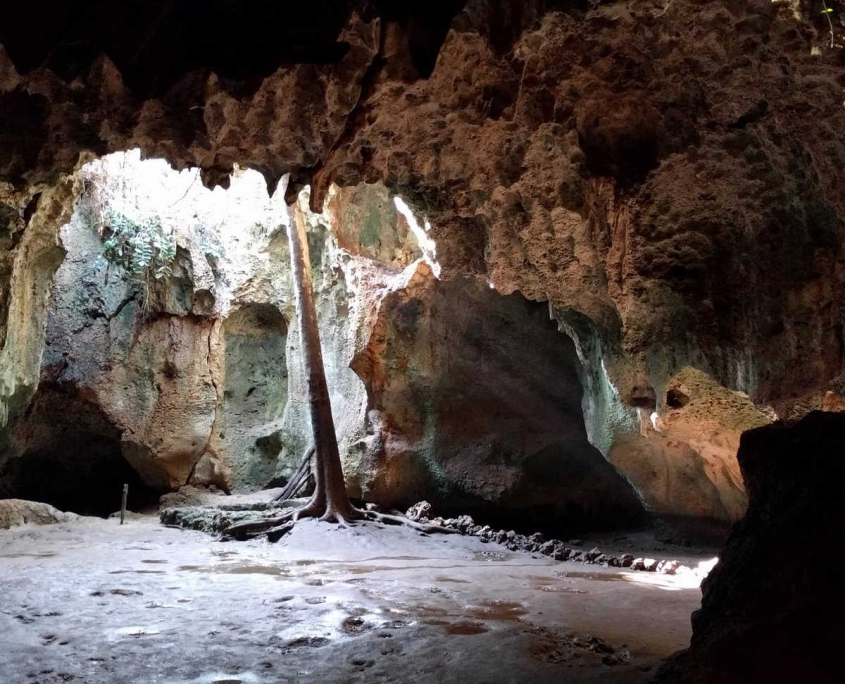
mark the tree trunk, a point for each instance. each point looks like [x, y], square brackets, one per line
[329, 499]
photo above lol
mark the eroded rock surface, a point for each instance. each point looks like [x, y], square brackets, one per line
[17, 512]
[445, 389]
[683, 458]
[475, 402]
[663, 174]
[132, 371]
[668, 170]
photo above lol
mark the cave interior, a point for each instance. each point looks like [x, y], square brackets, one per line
[577, 272]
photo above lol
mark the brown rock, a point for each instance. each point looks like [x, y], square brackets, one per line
[771, 610]
[16, 512]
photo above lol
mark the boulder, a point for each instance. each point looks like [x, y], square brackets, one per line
[422, 509]
[17, 512]
[772, 607]
[593, 554]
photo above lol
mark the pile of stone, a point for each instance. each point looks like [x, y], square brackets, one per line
[537, 544]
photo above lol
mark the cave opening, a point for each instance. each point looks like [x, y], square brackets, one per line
[150, 362]
[168, 324]
[574, 263]
[70, 457]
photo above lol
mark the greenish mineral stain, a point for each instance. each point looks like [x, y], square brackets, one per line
[371, 229]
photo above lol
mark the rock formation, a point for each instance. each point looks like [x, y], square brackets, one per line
[770, 608]
[133, 374]
[198, 380]
[683, 458]
[15, 512]
[569, 255]
[679, 224]
[474, 398]
[663, 174]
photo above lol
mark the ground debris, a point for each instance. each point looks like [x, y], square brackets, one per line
[537, 544]
[214, 519]
[247, 520]
[550, 646]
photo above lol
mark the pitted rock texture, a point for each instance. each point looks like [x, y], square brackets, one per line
[683, 459]
[770, 607]
[641, 170]
[455, 392]
[668, 170]
[440, 388]
[664, 174]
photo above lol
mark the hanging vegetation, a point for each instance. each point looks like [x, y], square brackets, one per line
[144, 249]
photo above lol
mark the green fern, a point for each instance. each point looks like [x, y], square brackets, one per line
[143, 249]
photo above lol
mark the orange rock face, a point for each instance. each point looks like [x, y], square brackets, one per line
[668, 172]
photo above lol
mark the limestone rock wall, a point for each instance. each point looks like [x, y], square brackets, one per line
[440, 389]
[683, 457]
[665, 174]
[666, 170]
[32, 256]
[641, 168]
[444, 389]
[148, 362]
[195, 378]
[475, 400]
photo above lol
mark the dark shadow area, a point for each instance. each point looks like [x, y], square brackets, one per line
[771, 609]
[484, 414]
[70, 457]
[155, 43]
[687, 530]
[255, 390]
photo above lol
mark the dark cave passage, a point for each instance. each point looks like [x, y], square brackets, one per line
[70, 458]
[484, 403]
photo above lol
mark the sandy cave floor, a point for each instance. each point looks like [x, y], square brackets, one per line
[95, 602]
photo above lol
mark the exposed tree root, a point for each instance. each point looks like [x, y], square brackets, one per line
[298, 479]
[402, 520]
[254, 528]
[275, 528]
[276, 533]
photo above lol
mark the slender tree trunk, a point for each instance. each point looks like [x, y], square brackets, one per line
[330, 499]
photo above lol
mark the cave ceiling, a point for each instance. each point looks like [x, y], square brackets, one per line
[666, 174]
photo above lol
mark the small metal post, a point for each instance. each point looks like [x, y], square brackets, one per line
[123, 503]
